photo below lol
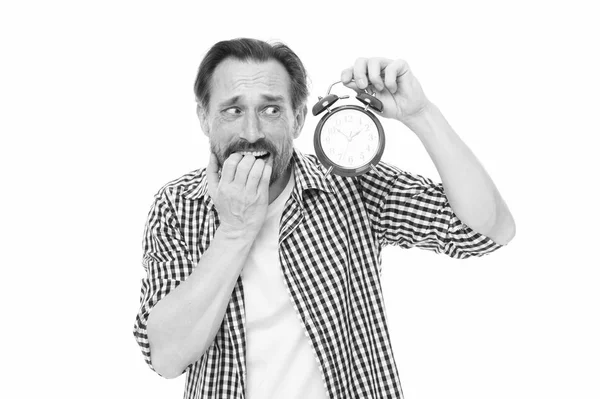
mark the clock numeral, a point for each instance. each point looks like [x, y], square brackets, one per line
[348, 118]
[350, 159]
[328, 139]
[362, 156]
[338, 122]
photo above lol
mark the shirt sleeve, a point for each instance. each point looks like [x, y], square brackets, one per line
[409, 210]
[167, 263]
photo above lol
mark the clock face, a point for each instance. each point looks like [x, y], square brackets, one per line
[349, 138]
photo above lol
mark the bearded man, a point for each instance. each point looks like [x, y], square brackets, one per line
[263, 272]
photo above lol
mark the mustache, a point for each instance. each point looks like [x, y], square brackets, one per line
[258, 145]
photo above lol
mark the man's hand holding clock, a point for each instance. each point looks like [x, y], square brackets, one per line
[382, 85]
[469, 189]
[392, 81]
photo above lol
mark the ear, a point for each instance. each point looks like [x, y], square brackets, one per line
[203, 118]
[300, 117]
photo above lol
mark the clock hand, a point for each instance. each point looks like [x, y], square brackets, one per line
[346, 150]
[356, 134]
[342, 133]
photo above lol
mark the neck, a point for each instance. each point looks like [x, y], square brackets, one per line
[278, 185]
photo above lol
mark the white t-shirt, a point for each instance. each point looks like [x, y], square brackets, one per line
[280, 361]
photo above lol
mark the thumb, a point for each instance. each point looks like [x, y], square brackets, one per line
[370, 89]
[352, 85]
[212, 175]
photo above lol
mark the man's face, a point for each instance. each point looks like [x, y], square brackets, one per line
[250, 110]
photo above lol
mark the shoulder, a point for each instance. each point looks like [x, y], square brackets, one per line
[310, 159]
[187, 186]
[388, 179]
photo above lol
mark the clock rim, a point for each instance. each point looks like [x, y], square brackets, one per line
[337, 169]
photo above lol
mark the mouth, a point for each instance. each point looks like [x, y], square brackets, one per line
[257, 154]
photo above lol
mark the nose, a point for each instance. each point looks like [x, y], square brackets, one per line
[251, 131]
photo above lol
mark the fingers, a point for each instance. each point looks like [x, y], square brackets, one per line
[263, 185]
[347, 75]
[351, 84]
[260, 177]
[393, 71]
[255, 175]
[374, 69]
[378, 72]
[360, 73]
[243, 169]
[230, 166]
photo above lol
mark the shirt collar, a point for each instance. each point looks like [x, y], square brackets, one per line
[308, 176]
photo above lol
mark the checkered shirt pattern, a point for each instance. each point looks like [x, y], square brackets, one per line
[332, 232]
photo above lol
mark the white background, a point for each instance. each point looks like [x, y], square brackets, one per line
[97, 113]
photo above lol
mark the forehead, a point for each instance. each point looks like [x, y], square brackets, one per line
[248, 80]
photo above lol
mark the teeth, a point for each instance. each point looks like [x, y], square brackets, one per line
[255, 153]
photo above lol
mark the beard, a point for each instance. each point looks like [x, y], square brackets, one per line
[281, 157]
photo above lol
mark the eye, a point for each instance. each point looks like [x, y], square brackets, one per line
[272, 110]
[233, 111]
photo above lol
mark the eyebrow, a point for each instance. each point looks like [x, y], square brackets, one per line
[274, 99]
[229, 102]
[267, 97]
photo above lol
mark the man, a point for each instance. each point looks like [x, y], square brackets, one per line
[262, 273]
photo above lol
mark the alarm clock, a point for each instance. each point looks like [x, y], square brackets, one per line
[349, 139]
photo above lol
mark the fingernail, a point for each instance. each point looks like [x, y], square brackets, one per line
[361, 82]
[379, 86]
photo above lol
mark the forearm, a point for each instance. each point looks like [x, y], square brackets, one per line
[470, 191]
[184, 323]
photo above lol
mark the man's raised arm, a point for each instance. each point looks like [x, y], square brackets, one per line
[470, 191]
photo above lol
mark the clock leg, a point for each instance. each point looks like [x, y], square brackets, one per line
[375, 169]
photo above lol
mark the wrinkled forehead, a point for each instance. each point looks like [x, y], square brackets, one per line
[249, 81]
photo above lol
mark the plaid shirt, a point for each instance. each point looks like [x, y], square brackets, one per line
[332, 232]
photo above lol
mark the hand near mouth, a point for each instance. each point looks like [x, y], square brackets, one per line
[241, 192]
